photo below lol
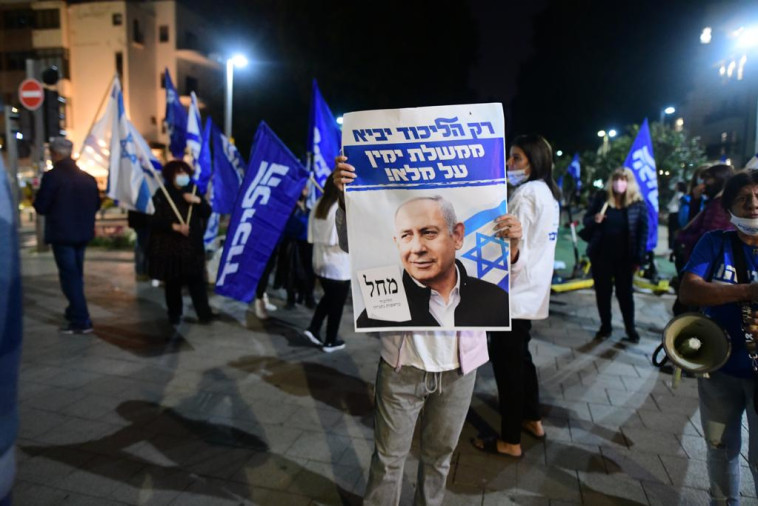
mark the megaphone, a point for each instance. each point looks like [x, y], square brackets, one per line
[696, 344]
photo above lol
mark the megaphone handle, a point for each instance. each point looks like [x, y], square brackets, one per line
[656, 354]
[677, 377]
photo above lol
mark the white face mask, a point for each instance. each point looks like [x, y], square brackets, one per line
[182, 179]
[748, 226]
[516, 177]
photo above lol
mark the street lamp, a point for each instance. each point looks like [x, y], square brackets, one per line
[238, 61]
[667, 111]
[606, 136]
[612, 133]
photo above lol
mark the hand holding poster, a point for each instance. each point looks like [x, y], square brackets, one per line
[429, 183]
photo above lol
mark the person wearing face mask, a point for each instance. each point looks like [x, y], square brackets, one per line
[617, 247]
[720, 277]
[534, 201]
[177, 254]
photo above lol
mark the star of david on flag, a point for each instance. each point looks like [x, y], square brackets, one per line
[484, 253]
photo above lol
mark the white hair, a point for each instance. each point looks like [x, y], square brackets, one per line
[448, 211]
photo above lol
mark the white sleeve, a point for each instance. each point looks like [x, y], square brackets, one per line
[525, 209]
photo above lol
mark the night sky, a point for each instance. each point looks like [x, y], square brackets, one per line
[563, 68]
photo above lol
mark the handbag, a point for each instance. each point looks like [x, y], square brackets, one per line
[588, 231]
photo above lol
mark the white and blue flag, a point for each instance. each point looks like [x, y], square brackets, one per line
[132, 177]
[195, 144]
[640, 161]
[176, 119]
[575, 171]
[324, 139]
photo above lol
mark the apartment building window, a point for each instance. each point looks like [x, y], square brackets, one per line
[45, 19]
[55, 56]
[137, 35]
[17, 60]
[190, 84]
[18, 19]
[120, 64]
[117, 19]
[163, 33]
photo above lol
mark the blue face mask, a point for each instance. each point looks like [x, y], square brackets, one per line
[182, 179]
[516, 177]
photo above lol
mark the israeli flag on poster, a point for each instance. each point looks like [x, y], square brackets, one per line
[430, 181]
[640, 160]
[323, 143]
[176, 119]
[195, 144]
[272, 185]
[228, 171]
[575, 171]
[132, 177]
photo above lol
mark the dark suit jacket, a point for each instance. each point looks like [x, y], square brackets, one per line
[483, 304]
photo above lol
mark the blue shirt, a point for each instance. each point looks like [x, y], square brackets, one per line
[713, 253]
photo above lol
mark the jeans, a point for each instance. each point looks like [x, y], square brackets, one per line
[441, 401]
[723, 400]
[330, 306]
[516, 379]
[70, 262]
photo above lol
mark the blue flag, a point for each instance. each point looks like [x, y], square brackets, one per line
[176, 119]
[195, 144]
[204, 163]
[272, 185]
[575, 171]
[640, 160]
[228, 171]
[560, 183]
[324, 137]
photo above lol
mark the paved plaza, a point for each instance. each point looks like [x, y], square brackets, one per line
[248, 412]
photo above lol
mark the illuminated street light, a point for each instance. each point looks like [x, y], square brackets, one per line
[601, 133]
[612, 133]
[238, 61]
[559, 153]
[340, 120]
[706, 35]
[667, 111]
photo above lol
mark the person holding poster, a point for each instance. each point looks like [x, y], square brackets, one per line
[427, 368]
[535, 203]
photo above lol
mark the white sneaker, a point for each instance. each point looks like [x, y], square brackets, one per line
[260, 309]
[312, 338]
[338, 344]
[269, 305]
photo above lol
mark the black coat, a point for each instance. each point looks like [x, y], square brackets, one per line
[482, 304]
[170, 254]
[638, 228]
[69, 199]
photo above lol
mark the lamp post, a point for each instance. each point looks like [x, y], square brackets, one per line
[238, 61]
[606, 136]
[667, 111]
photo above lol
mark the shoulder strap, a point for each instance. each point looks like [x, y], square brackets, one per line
[739, 258]
[716, 259]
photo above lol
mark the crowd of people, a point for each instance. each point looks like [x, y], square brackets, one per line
[427, 377]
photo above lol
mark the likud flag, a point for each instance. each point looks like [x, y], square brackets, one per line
[575, 171]
[204, 160]
[272, 185]
[324, 138]
[176, 119]
[228, 171]
[132, 178]
[640, 160]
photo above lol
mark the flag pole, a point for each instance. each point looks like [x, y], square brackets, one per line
[97, 112]
[315, 183]
[170, 200]
[191, 206]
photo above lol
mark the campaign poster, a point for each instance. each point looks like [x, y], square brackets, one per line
[420, 218]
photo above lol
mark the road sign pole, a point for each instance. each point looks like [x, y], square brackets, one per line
[10, 139]
[38, 154]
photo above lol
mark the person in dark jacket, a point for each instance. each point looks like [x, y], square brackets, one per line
[617, 247]
[69, 199]
[176, 252]
[140, 223]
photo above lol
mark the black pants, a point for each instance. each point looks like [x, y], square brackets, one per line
[605, 273]
[263, 282]
[331, 306]
[516, 377]
[197, 289]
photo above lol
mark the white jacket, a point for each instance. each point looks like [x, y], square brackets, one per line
[329, 261]
[532, 274]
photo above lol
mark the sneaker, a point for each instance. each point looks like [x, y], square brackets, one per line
[260, 309]
[76, 329]
[269, 305]
[337, 344]
[312, 337]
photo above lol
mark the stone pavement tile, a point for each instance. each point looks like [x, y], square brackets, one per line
[463, 496]
[99, 476]
[348, 480]
[676, 405]
[589, 433]
[566, 410]
[605, 366]
[268, 412]
[513, 498]
[96, 407]
[557, 430]
[318, 446]
[593, 394]
[603, 380]
[633, 400]
[78, 499]
[52, 399]
[266, 496]
[46, 466]
[111, 366]
[74, 378]
[634, 464]
[645, 440]
[574, 456]
[667, 422]
[659, 494]
[37, 373]
[695, 446]
[33, 422]
[686, 473]
[324, 418]
[656, 385]
[153, 486]
[28, 493]
[224, 462]
[358, 453]
[747, 485]
[614, 416]
[601, 489]
[269, 470]
[214, 492]
[549, 482]
[499, 473]
[78, 430]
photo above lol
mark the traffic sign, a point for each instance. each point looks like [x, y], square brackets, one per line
[31, 94]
